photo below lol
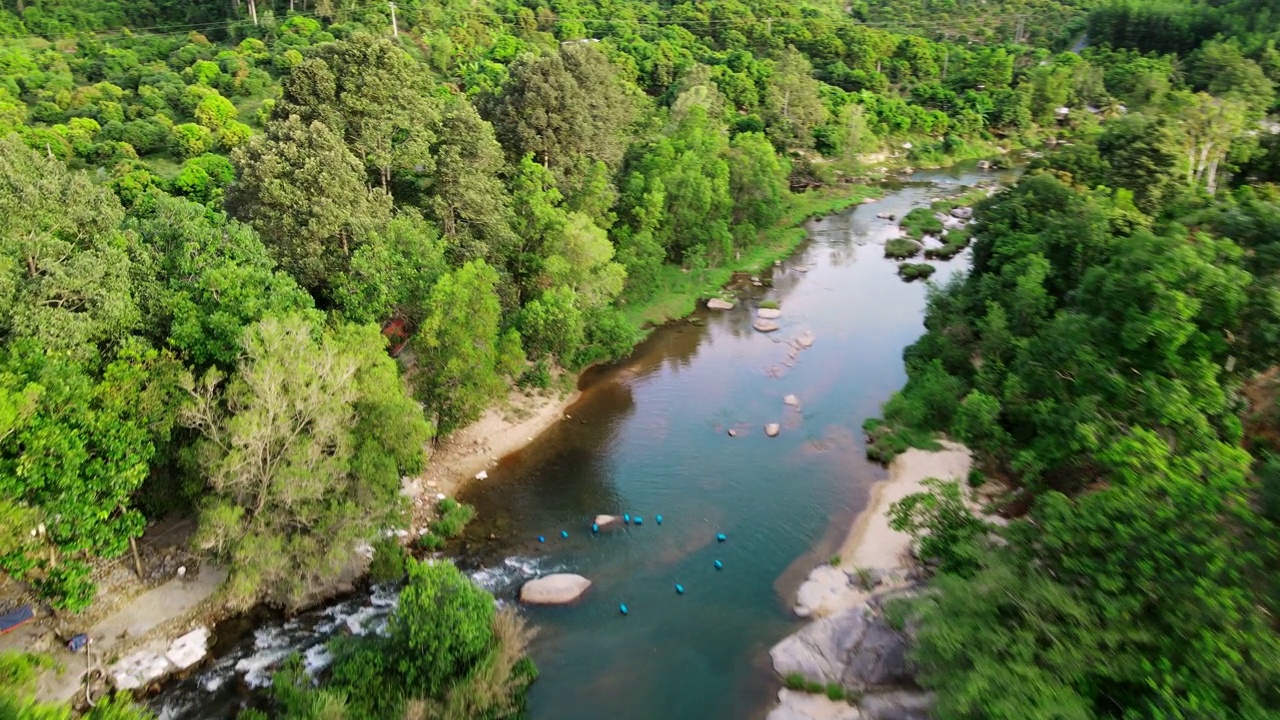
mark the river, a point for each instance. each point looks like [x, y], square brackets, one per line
[650, 437]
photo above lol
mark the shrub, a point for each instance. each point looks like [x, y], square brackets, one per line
[431, 542]
[794, 681]
[975, 478]
[388, 561]
[834, 560]
[769, 304]
[834, 691]
[69, 586]
[451, 518]
[920, 222]
[942, 526]
[901, 248]
[915, 271]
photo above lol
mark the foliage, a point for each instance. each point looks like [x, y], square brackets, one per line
[389, 558]
[901, 248]
[451, 518]
[943, 528]
[914, 271]
[297, 494]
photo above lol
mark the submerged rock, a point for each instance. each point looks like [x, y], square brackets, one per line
[718, 304]
[604, 521]
[764, 326]
[768, 313]
[556, 589]
[791, 400]
[805, 341]
[772, 429]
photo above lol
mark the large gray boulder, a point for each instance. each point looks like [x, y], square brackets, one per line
[796, 705]
[820, 650]
[768, 313]
[878, 659]
[556, 589]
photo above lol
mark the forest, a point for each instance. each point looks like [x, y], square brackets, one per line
[216, 212]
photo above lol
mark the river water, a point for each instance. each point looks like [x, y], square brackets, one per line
[650, 437]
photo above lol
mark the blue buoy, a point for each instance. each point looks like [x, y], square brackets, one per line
[622, 608]
[626, 519]
[595, 528]
[719, 565]
[564, 533]
[639, 520]
[541, 539]
[679, 589]
[720, 537]
[658, 519]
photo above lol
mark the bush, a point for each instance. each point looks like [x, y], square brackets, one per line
[834, 691]
[68, 586]
[920, 222]
[451, 518]
[915, 271]
[942, 526]
[388, 563]
[955, 242]
[901, 249]
[769, 304]
[975, 478]
[431, 542]
[794, 681]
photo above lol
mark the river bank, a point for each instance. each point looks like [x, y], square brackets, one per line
[849, 645]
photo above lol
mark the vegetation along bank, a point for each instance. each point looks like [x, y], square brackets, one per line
[218, 218]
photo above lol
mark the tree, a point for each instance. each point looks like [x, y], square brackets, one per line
[439, 596]
[64, 269]
[392, 273]
[304, 192]
[581, 258]
[563, 108]
[792, 104]
[373, 96]
[465, 194]
[303, 450]
[1209, 126]
[757, 181]
[202, 279]
[461, 356]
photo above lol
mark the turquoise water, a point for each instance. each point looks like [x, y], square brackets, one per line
[650, 437]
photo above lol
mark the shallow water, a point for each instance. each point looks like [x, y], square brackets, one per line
[649, 437]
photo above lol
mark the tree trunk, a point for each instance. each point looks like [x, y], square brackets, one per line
[137, 562]
[1213, 176]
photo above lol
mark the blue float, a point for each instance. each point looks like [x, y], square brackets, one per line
[622, 608]
[679, 589]
[719, 565]
[720, 537]
[658, 519]
[638, 520]
[541, 539]
[626, 519]
[564, 533]
[595, 528]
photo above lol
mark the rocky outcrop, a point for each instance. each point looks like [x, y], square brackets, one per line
[820, 650]
[718, 304]
[556, 589]
[797, 705]
[827, 591]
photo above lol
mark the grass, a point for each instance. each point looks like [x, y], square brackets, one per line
[452, 518]
[955, 242]
[798, 682]
[388, 561]
[920, 222]
[901, 249]
[679, 291]
[865, 578]
[769, 304]
[834, 560]
[913, 271]
[886, 440]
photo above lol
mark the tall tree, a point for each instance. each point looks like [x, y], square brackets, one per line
[303, 450]
[792, 103]
[374, 96]
[304, 192]
[462, 357]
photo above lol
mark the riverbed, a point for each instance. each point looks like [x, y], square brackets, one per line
[650, 436]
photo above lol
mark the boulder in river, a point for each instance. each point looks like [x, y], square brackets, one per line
[556, 589]
[718, 304]
[886, 216]
[772, 429]
[791, 400]
[604, 521]
[805, 341]
[962, 213]
[768, 313]
[764, 326]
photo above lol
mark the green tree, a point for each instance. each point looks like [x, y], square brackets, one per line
[459, 349]
[792, 103]
[304, 192]
[303, 450]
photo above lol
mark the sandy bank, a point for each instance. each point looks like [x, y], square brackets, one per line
[871, 543]
[502, 430]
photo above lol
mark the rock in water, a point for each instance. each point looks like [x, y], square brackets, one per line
[188, 649]
[962, 213]
[604, 521]
[805, 341]
[797, 705]
[768, 313]
[765, 326]
[557, 589]
[718, 304]
[791, 400]
[772, 429]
